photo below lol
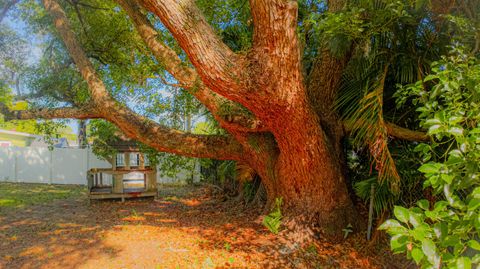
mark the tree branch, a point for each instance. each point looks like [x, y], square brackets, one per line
[164, 54]
[405, 134]
[159, 137]
[188, 77]
[398, 132]
[49, 113]
[133, 125]
[275, 56]
[6, 8]
[219, 68]
[275, 26]
[97, 89]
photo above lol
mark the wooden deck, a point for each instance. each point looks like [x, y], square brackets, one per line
[130, 193]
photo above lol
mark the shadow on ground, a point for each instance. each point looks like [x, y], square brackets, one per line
[185, 228]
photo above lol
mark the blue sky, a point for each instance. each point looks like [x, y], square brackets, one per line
[35, 43]
[35, 49]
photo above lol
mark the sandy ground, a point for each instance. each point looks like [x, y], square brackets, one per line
[185, 228]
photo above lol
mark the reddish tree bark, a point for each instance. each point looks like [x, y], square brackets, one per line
[282, 137]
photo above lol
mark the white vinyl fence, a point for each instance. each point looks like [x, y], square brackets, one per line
[60, 166]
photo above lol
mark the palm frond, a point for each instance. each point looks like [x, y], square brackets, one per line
[244, 173]
[364, 116]
[383, 199]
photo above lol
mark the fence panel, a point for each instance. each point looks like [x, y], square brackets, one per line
[33, 165]
[69, 166]
[63, 166]
[7, 164]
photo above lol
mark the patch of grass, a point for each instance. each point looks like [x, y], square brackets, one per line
[17, 195]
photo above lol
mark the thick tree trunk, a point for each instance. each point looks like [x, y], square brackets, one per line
[308, 175]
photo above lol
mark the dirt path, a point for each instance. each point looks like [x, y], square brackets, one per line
[185, 228]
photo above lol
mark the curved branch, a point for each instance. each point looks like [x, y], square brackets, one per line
[49, 113]
[188, 77]
[153, 134]
[165, 55]
[219, 68]
[97, 88]
[133, 125]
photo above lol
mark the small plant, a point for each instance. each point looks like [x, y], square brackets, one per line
[134, 213]
[227, 246]
[273, 220]
[347, 231]
[312, 249]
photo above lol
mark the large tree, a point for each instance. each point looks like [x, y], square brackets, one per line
[275, 106]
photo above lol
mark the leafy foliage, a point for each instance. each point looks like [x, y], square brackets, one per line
[410, 186]
[390, 42]
[445, 233]
[273, 220]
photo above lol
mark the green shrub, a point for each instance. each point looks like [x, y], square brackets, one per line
[445, 233]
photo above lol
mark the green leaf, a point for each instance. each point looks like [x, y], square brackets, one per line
[440, 205]
[440, 229]
[423, 204]
[447, 178]
[476, 192]
[432, 214]
[430, 77]
[417, 255]
[429, 168]
[451, 240]
[474, 244]
[429, 248]
[435, 129]
[464, 263]
[415, 219]
[419, 233]
[456, 131]
[433, 121]
[393, 227]
[398, 242]
[473, 204]
[401, 213]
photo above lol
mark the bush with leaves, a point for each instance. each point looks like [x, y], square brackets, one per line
[446, 233]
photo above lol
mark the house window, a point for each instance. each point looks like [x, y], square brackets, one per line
[146, 161]
[120, 160]
[134, 159]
